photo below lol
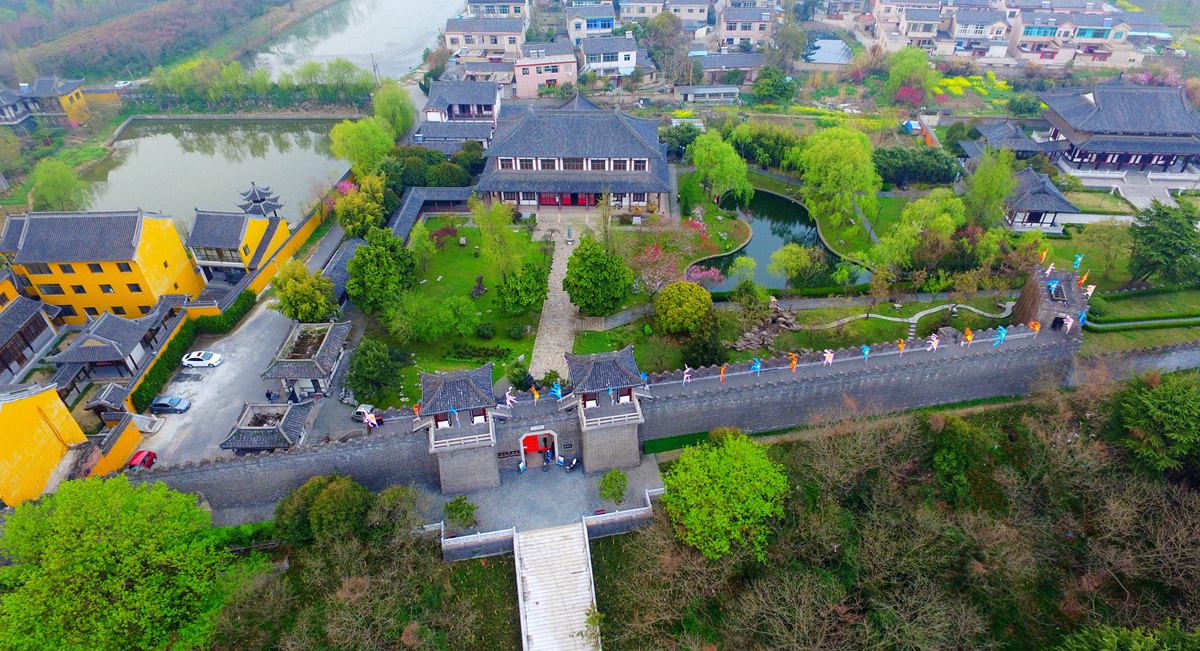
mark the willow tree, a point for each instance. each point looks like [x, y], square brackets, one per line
[721, 170]
[839, 172]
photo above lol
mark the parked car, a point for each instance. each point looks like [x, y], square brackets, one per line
[169, 405]
[143, 459]
[361, 413]
[120, 85]
[202, 358]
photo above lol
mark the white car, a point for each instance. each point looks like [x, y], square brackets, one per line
[123, 84]
[201, 358]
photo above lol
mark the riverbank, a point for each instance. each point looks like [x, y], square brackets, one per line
[231, 117]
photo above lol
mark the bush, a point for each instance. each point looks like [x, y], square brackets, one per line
[613, 485]
[914, 165]
[439, 236]
[705, 347]
[339, 510]
[168, 360]
[680, 305]
[460, 512]
[1025, 105]
[550, 379]
[229, 319]
[291, 513]
[245, 535]
[485, 330]
[1157, 419]
[1098, 306]
[515, 331]
[518, 375]
[473, 353]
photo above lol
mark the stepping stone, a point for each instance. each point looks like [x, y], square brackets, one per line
[480, 313]
[439, 279]
[489, 311]
[424, 280]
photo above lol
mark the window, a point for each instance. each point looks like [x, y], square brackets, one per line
[639, 165]
[641, 10]
[516, 10]
[124, 267]
[134, 288]
[549, 164]
[618, 198]
[78, 289]
[106, 289]
[512, 40]
[539, 70]
[1040, 31]
[66, 268]
[578, 25]
[731, 27]
[246, 249]
[639, 197]
[620, 164]
[144, 309]
[598, 165]
[494, 40]
[3, 299]
[572, 163]
[508, 196]
[37, 269]
[503, 9]
[118, 310]
[747, 27]
[528, 196]
[762, 27]
[1092, 33]
[526, 163]
[489, 9]
[593, 58]
[552, 69]
[691, 11]
[50, 289]
[525, 71]
[627, 57]
[506, 163]
[468, 40]
[677, 11]
[600, 23]
[609, 56]
[453, 40]
[95, 267]
[66, 310]
[91, 311]
[1118, 35]
[166, 265]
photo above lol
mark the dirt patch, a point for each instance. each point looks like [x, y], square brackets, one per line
[88, 422]
[264, 420]
[307, 345]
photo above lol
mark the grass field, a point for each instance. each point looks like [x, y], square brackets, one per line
[491, 585]
[1100, 202]
[890, 209]
[1095, 343]
[1062, 254]
[1184, 300]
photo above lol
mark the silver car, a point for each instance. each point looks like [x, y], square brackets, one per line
[202, 358]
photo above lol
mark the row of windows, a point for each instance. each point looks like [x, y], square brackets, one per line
[746, 27]
[541, 69]
[690, 10]
[1033, 30]
[470, 40]
[42, 269]
[69, 310]
[617, 198]
[608, 57]
[54, 289]
[592, 164]
[491, 9]
[642, 9]
[208, 254]
[595, 23]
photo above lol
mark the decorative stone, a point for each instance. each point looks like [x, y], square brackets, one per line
[637, 221]
[489, 311]
[439, 279]
[462, 241]
[720, 218]
[521, 357]
[636, 287]
[424, 280]
[477, 254]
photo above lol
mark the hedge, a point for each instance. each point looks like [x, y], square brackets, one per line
[168, 360]
[228, 320]
[1139, 326]
[1141, 317]
[245, 535]
[1150, 291]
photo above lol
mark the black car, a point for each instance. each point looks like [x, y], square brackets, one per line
[169, 405]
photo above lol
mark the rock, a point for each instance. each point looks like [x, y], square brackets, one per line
[424, 280]
[462, 241]
[478, 290]
[637, 221]
[439, 279]
[521, 357]
[720, 218]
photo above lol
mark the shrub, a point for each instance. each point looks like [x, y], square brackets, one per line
[439, 236]
[485, 330]
[168, 360]
[680, 305]
[339, 510]
[291, 513]
[705, 347]
[460, 512]
[613, 485]
[475, 353]
[1098, 306]
[1157, 419]
[244, 535]
[229, 319]
[550, 379]
[518, 375]
[515, 331]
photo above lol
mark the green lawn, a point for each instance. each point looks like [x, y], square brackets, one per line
[1062, 254]
[1194, 200]
[1095, 343]
[1184, 300]
[889, 214]
[458, 267]
[1100, 202]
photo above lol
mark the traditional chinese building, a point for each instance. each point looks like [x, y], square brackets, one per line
[265, 427]
[228, 245]
[605, 388]
[455, 414]
[308, 359]
[1035, 203]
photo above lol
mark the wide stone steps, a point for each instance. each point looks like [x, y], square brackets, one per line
[554, 588]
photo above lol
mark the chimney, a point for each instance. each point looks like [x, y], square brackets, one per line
[1090, 5]
[1053, 21]
[629, 35]
[1107, 21]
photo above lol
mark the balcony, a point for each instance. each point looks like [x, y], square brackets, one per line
[461, 434]
[606, 414]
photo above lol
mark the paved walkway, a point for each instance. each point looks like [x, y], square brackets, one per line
[556, 329]
[325, 249]
[673, 194]
[554, 588]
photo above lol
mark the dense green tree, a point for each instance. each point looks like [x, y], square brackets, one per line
[57, 187]
[772, 87]
[680, 306]
[463, 315]
[500, 245]
[339, 510]
[394, 109]
[422, 245]
[470, 157]
[679, 137]
[908, 67]
[379, 270]
[1110, 238]
[447, 175]
[303, 296]
[838, 173]
[939, 214]
[613, 485]
[1157, 419]
[914, 165]
[374, 368]
[10, 151]
[596, 281]
[106, 565]
[363, 143]
[704, 347]
[723, 495]
[1112, 638]
[416, 172]
[790, 42]
[291, 512]
[793, 260]
[1025, 105]
[358, 213]
[762, 142]
[524, 289]
[989, 187]
[721, 169]
[1166, 243]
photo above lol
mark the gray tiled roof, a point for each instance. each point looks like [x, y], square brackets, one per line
[1035, 193]
[719, 61]
[456, 130]
[64, 374]
[977, 17]
[593, 11]
[283, 435]
[603, 371]
[444, 93]
[405, 217]
[15, 315]
[218, 230]
[1120, 107]
[112, 396]
[607, 45]
[1163, 145]
[923, 15]
[1007, 135]
[688, 3]
[320, 365]
[51, 87]
[576, 134]
[8, 97]
[260, 252]
[111, 338]
[967, 3]
[578, 103]
[457, 390]
[746, 13]
[74, 237]
[547, 49]
[337, 268]
[120, 422]
[1054, 4]
[485, 25]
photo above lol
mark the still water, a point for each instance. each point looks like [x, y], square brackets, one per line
[395, 32]
[776, 222]
[174, 167]
[829, 50]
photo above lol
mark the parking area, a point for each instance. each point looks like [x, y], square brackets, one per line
[217, 393]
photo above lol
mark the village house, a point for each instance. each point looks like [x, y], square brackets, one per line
[1014, 8]
[499, 9]
[566, 157]
[738, 25]
[716, 67]
[544, 66]
[641, 9]
[692, 13]
[590, 22]
[977, 33]
[1035, 203]
[229, 245]
[485, 39]
[500, 74]
[308, 359]
[462, 101]
[46, 96]
[613, 57]
[1056, 39]
[91, 263]
[834, 8]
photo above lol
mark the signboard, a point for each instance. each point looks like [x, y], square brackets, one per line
[506, 455]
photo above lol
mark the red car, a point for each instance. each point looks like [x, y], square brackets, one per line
[143, 459]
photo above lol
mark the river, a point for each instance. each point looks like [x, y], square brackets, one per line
[394, 32]
[175, 167]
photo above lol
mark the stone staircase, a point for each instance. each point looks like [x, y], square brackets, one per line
[554, 588]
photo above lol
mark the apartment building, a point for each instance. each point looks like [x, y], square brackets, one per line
[751, 25]
[485, 39]
[692, 13]
[615, 57]
[544, 65]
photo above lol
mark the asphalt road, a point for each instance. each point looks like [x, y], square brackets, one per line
[217, 393]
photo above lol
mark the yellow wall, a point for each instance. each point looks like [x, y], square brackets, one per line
[75, 106]
[110, 97]
[120, 453]
[160, 244]
[8, 289]
[272, 264]
[37, 430]
[194, 313]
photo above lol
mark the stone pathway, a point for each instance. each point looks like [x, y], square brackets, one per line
[556, 329]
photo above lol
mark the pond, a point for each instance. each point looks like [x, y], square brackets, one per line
[776, 221]
[829, 50]
[391, 34]
[175, 167]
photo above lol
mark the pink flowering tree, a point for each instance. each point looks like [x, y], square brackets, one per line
[705, 276]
